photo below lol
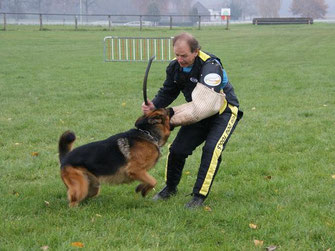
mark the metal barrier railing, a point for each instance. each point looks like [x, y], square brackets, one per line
[137, 48]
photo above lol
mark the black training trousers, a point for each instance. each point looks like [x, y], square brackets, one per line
[215, 131]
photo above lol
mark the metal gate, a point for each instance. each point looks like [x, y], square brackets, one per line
[137, 48]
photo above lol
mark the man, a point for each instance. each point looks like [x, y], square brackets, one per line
[210, 115]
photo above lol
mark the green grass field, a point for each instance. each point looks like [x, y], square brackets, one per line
[278, 170]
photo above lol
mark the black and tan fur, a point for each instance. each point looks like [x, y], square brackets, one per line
[121, 158]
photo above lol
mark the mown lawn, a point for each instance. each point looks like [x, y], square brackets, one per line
[276, 183]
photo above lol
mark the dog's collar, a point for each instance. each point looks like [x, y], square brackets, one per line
[149, 136]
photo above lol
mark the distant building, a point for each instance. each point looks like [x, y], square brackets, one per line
[202, 11]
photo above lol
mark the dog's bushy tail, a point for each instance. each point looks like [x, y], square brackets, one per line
[65, 144]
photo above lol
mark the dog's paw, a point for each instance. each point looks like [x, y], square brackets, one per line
[139, 188]
[146, 189]
[73, 204]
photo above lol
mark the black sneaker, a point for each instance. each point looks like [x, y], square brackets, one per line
[196, 202]
[165, 193]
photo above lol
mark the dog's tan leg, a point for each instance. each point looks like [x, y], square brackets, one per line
[148, 184]
[94, 185]
[76, 183]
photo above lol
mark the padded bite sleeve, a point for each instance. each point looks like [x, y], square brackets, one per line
[205, 103]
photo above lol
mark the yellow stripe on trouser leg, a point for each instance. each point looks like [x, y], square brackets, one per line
[166, 163]
[217, 151]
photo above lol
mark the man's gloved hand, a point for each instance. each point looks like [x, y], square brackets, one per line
[171, 113]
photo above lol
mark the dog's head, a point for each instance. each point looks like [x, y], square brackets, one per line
[157, 122]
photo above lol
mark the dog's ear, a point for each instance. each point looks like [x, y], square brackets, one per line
[161, 115]
[157, 116]
[156, 120]
[141, 121]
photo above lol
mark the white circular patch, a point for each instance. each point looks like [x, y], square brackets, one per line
[212, 79]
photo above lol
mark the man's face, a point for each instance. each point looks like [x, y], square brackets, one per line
[183, 53]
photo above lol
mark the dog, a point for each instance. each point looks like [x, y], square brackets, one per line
[119, 159]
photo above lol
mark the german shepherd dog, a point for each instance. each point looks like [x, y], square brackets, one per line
[122, 158]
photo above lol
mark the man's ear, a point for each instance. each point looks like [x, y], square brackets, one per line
[196, 52]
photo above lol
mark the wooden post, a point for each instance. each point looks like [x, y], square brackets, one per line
[109, 23]
[140, 22]
[227, 22]
[170, 22]
[199, 22]
[76, 23]
[4, 22]
[41, 25]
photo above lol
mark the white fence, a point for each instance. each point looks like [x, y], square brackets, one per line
[137, 48]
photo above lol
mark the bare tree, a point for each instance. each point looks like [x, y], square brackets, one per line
[17, 6]
[242, 8]
[153, 9]
[142, 5]
[34, 6]
[88, 4]
[309, 8]
[185, 6]
[269, 8]
[236, 9]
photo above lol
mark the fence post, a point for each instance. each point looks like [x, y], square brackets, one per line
[41, 24]
[4, 21]
[170, 22]
[109, 22]
[75, 23]
[199, 22]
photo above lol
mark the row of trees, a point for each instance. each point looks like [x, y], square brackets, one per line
[309, 8]
[264, 8]
[239, 8]
[271, 8]
[114, 7]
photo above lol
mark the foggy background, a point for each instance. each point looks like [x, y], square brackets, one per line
[210, 10]
[284, 10]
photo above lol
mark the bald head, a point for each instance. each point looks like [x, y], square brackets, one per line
[188, 39]
[186, 49]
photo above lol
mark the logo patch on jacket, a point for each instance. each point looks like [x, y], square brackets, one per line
[212, 79]
[194, 80]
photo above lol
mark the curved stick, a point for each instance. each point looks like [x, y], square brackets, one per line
[146, 80]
